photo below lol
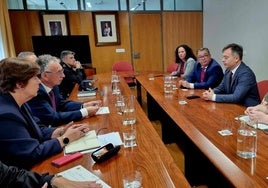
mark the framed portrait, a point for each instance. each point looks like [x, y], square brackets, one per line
[106, 28]
[54, 23]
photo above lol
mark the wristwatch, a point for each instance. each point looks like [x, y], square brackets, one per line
[66, 140]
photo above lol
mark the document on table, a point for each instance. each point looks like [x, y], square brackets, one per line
[103, 110]
[105, 139]
[245, 118]
[112, 137]
[87, 142]
[79, 173]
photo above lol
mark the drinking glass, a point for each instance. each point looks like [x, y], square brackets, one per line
[247, 139]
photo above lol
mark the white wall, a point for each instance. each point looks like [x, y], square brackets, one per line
[238, 21]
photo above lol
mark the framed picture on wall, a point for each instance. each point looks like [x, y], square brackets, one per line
[54, 23]
[106, 28]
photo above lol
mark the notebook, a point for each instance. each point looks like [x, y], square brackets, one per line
[90, 141]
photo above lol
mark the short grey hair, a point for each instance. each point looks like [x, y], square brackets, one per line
[65, 53]
[43, 61]
[25, 54]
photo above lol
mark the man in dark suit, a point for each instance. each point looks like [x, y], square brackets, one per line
[206, 73]
[239, 82]
[73, 71]
[49, 106]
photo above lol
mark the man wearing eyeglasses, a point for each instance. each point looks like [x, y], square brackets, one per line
[207, 73]
[49, 106]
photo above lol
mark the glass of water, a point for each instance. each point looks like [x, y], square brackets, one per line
[129, 112]
[247, 139]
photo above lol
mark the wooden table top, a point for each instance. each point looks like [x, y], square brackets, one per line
[201, 120]
[150, 156]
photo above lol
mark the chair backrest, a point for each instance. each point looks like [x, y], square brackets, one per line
[172, 67]
[263, 88]
[122, 66]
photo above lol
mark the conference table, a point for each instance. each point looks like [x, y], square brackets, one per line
[210, 158]
[150, 156]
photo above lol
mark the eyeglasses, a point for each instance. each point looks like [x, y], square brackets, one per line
[60, 72]
[202, 57]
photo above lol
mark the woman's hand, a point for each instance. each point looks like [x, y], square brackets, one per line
[62, 182]
[61, 130]
[74, 132]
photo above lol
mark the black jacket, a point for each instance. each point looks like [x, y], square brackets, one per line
[72, 76]
[14, 177]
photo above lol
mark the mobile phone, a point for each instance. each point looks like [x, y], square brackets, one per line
[105, 152]
[192, 97]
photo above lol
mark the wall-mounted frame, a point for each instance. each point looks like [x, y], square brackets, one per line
[54, 23]
[106, 28]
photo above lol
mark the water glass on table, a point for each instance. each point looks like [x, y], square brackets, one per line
[129, 112]
[132, 179]
[119, 103]
[247, 139]
[129, 136]
[168, 84]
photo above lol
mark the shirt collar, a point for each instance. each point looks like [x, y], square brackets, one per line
[48, 89]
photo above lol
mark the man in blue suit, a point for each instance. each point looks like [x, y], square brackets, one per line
[206, 73]
[239, 82]
[49, 106]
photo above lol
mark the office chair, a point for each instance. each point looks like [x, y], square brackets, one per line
[172, 67]
[263, 88]
[122, 66]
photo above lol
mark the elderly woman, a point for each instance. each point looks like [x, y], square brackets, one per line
[23, 140]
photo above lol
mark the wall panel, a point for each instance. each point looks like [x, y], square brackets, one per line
[181, 28]
[155, 36]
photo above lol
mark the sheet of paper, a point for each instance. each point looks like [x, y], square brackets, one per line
[104, 139]
[103, 110]
[245, 118]
[225, 132]
[79, 173]
[112, 137]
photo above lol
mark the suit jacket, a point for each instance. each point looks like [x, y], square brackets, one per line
[243, 89]
[23, 142]
[213, 75]
[66, 110]
[71, 78]
[11, 176]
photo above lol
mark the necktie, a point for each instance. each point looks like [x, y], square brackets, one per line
[203, 70]
[230, 79]
[52, 99]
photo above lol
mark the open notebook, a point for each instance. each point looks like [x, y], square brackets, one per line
[87, 142]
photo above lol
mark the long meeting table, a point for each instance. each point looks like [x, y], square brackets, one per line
[150, 156]
[209, 157]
